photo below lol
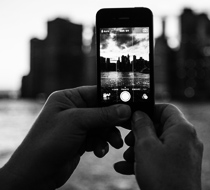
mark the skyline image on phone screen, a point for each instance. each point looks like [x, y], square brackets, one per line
[125, 64]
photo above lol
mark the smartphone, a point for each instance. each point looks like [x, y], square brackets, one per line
[124, 43]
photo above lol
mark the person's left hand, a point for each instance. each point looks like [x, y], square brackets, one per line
[165, 153]
[68, 125]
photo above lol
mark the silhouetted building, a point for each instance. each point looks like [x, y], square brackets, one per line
[90, 62]
[193, 60]
[164, 67]
[185, 73]
[125, 65]
[57, 62]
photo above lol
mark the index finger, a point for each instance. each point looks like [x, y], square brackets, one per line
[82, 97]
[89, 95]
[143, 128]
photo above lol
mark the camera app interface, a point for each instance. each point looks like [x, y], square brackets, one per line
[124, 64]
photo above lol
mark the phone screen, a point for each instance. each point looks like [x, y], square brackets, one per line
[124, 64]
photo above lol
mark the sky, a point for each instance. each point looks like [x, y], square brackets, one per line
[115, 43]
[21, 20]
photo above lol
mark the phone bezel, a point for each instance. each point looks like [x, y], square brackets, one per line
[127, 17]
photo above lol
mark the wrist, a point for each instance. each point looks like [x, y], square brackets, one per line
[10, 181]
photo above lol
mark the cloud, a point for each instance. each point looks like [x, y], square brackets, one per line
[122, 40]
[104, 40]
[128, 40]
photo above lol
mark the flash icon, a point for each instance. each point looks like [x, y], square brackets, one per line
[145, 97]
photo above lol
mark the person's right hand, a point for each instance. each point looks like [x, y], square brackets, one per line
[170, 160]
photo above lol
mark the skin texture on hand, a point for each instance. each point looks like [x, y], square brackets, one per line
[68, 125]
[165, 154]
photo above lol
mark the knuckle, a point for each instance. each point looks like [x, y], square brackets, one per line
[186, 129]
[191, 131]
[170, 108]
[54, 94]
[200, 146]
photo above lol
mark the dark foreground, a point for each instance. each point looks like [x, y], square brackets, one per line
[95, 173]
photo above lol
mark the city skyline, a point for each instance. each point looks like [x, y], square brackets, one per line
[17, 29]
[125, 64]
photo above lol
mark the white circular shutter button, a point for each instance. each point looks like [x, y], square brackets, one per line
[125, 96]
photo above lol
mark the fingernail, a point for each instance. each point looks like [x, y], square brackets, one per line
[137, 116]
[123, 111]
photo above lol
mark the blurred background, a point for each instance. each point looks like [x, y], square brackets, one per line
[50, 45]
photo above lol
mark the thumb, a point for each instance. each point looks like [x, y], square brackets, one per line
[144, 132]
[91, 118]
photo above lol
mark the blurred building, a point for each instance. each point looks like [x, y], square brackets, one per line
[185, 73]
[164, 67]
[193, 59]
[57, 62]
[62, 61]
[90, 62]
